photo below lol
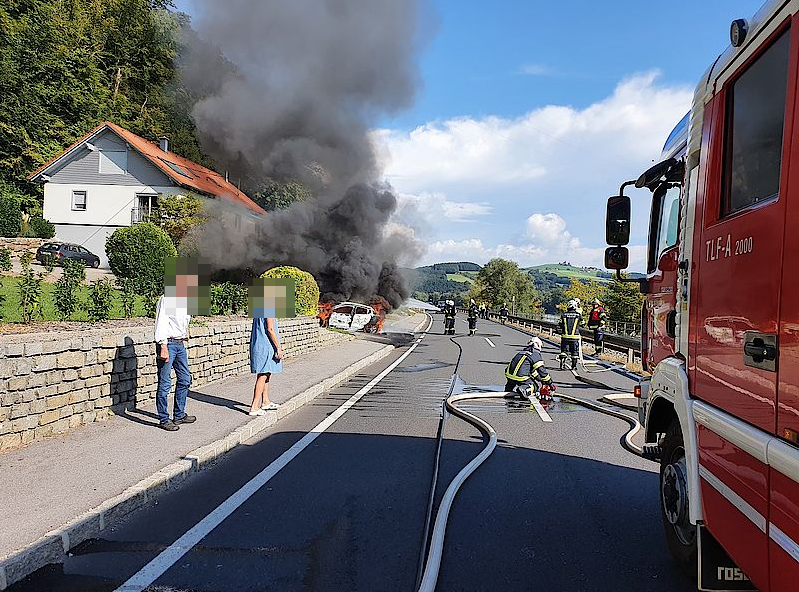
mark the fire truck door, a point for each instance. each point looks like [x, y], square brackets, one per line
[738, 301]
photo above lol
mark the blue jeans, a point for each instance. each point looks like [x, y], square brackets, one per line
[180, 362]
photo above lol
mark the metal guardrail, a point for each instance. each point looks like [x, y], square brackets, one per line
[624, 344]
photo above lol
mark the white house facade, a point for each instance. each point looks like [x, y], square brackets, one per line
[112, 178]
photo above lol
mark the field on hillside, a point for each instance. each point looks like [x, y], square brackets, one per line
[571, 272]
[465, 277]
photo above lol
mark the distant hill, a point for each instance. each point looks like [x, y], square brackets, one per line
[567, 271]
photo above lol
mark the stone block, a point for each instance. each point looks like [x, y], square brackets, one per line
[57, 401]
[6, 368]
[38, 406]
[60, 426]
[18, 383]
[33, 348]
[56, 347]
[36, 381]
[13, 350]
[75, 421]
[24, 423]
[28, 437]
[53, 378]
[70, 374]
[10, 441]
[19, 410]
[49, 417]
[44, 363]
[46, 391]
[71, 359]
[43, 431]
[78, 396]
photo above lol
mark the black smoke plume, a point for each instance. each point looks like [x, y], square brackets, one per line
[289, 90]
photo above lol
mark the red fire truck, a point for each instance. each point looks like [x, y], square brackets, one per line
[721, 316]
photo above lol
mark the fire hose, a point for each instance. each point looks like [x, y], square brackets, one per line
[428, 578]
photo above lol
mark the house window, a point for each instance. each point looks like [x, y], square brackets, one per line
[177, 168]
[113, 162]
[79, 201]
[755, 118]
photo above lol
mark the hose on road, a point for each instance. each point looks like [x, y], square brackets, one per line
[427, 579]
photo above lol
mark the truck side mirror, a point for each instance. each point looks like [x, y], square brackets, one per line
[617, 258]
[617, 222]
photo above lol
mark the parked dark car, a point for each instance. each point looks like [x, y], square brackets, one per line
[67, 251]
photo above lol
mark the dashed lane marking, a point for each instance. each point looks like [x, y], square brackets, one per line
[491, 343]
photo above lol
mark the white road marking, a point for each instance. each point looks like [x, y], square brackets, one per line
[491, 343]
[542, 413]
[172, 554]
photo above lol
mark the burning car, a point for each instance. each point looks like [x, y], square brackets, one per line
[352, 316]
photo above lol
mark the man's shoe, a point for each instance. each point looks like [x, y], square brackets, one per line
[169, 426]
[186, 419]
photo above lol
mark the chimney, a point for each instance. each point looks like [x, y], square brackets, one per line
[163, 142]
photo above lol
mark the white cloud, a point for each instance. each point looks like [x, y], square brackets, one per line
[535, 70]
[429, 208]
[559, 161]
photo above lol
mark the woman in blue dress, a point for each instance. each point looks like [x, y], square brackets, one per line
[266, 357]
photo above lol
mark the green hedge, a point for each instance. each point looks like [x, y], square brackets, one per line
[137, 253]
[39, 227]
[306, 291]
[10, 217]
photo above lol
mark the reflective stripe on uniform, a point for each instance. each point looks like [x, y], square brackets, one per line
[514, 374]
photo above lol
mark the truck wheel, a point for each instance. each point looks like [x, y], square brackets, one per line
[681, 535]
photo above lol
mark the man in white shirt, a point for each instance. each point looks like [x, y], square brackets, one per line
[171, 332]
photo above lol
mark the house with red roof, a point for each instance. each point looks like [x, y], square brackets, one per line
[112, 178]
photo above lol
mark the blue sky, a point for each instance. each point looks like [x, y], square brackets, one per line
[531, 113]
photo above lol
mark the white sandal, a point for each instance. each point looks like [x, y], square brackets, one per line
[271, 407]
[257, 412]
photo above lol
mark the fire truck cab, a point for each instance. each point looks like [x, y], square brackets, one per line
[720, 324]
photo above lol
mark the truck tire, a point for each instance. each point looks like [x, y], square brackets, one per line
[681, 535]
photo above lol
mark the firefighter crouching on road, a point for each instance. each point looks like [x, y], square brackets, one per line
[472, 316]
[525, 368]
[596, 322]
[449, 318]
[570, 323]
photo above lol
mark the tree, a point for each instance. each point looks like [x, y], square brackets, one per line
[623, 301]
[586, 291]
[502, 282]
[279, 196]
[178, 214]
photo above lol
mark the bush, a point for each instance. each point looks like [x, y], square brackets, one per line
[127, 295]
[38, 227]
[228, 299]
[101, 300]
[10, 217]
[306, 291]
[65, 296]
[30, 290]
[138, 253]
[49, 262]
[5, 259]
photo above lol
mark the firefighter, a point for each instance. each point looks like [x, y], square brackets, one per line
[449, 318]
[570, 323]
[472, 316]
[596, 322]
[503, 313]
[483, 312]
[525, 369]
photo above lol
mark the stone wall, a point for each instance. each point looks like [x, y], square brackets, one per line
[19, 246]
[50, 383]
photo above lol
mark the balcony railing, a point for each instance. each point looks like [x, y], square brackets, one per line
[141, 215]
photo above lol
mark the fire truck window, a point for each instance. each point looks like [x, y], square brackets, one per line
[665, 221]
[756, 113]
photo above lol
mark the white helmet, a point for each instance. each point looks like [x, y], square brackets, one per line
[471, 301]
[597, 302]
[450, 303]
[572, 304]
[535, 343]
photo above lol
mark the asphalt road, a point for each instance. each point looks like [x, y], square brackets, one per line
[559, 506]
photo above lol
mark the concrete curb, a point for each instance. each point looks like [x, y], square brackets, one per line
[53, 546]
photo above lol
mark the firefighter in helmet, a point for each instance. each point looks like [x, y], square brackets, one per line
[525, 369]
[449, 318]
[570, 323]
[472, 316]
[503, 313]
[596, 322]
